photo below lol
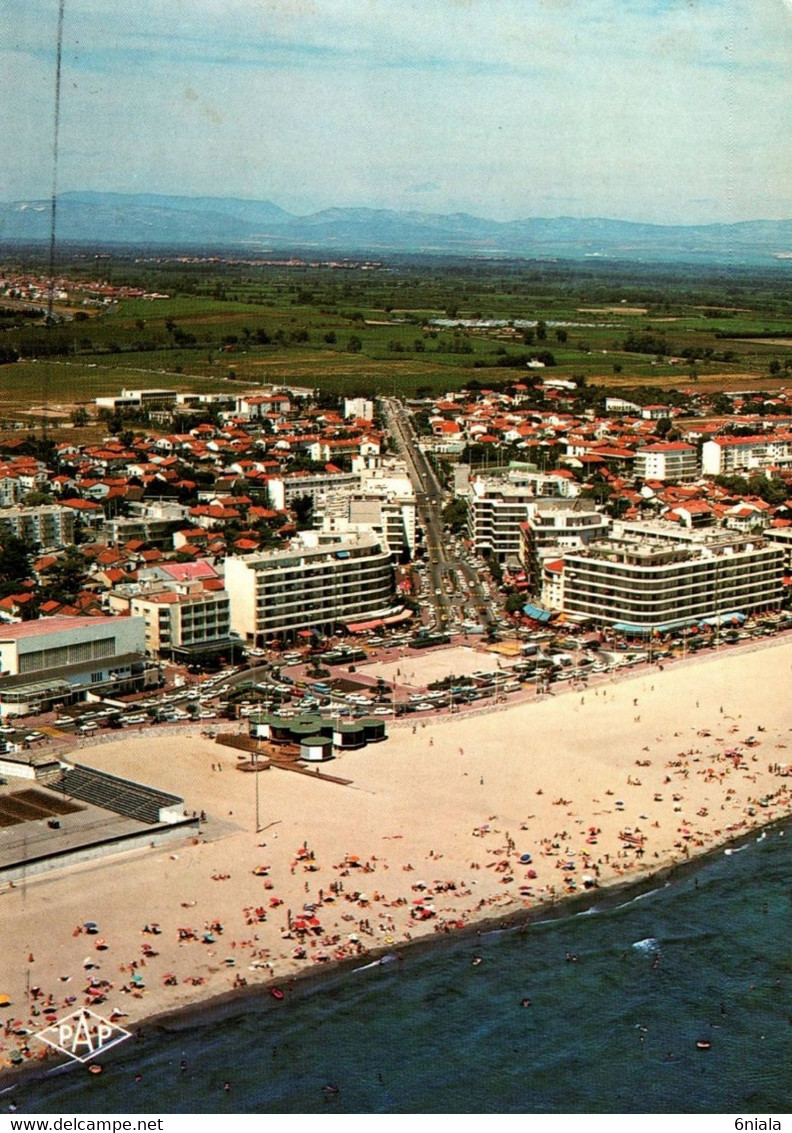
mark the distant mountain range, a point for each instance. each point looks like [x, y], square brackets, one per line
[259, 227]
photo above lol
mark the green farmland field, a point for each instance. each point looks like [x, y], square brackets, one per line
[375, 331]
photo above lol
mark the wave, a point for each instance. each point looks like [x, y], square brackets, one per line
[388, 958]
[649, 945]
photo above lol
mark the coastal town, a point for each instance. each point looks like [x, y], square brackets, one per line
[363, 594]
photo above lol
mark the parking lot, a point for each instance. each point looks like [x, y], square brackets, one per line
[418, 669]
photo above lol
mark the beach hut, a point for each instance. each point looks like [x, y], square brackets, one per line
[349, 736]
[374, 730]
[259, 726]
[316, 749]
[300, 728]
[280, 730]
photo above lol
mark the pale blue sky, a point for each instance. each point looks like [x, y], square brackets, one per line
[669, 111]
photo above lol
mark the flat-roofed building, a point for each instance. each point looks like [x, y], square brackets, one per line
[667, 460]
[553, 527]
[319, 582]
[782, 536]
[185, 622]
[154, 523]
[46, 525]
[384, 500]
[643, 584]
[497, 508]
[138, 399]
[60, 659]
[723, 455]
[284, 490]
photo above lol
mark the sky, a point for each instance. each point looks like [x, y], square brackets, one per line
[663, 111]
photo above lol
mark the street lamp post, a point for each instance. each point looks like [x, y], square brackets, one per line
[255, 774]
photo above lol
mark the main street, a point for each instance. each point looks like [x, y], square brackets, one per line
[455, 591]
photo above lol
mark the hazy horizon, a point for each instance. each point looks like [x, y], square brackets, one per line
[142, 192]
[665, 112]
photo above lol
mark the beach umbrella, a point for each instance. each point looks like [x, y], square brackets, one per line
[5, 1001]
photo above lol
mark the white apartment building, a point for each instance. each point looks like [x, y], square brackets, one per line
[643, 584]
[782, 536]
[47, 525]
[320, 582]
[385, 501]
[184, 622]
[668, 460]
[361, 408]
[392, 520]
[724, 455]
[497, 508]
[153, 522]
[553, 527]
[284, 490]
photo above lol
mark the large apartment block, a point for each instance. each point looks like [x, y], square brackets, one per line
[554, 527]
[497, 508]
[668, 460]
[320, 582]
[48, 526]
[153, 523]
[185, 622]
[284, 490]
[724, 455]
[384, 501]
[643, 584]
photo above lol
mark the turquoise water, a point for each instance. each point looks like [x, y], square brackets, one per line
[619, 999]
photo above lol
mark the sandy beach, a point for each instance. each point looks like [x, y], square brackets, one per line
[598, 785]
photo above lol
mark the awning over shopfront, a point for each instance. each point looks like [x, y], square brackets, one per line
[379, 623]
[537, 614]
[724, 619]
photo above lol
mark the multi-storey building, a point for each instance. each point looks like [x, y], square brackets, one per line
[384, 501]
[553, 527]
[724, 455]
[184, 622]
[667, 460]
[360, 407]
[644, 584]
[497, 508]
[320, 582]
[47, 525]
[154, 523]
[284, 490]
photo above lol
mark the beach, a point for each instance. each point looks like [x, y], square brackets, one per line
[591, 787]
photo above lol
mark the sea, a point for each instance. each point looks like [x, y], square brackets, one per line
[675, 1001]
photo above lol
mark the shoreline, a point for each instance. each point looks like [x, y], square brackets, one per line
[578, 779]
[217, 1008]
